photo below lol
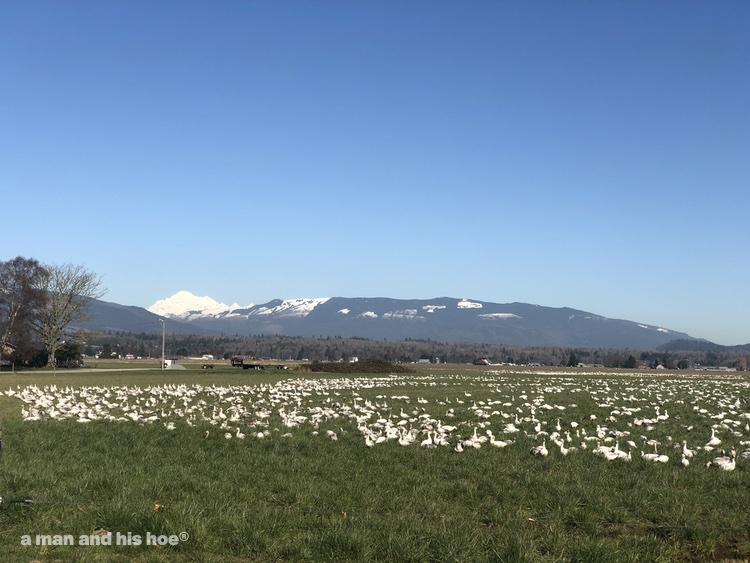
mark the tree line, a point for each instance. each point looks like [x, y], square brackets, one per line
[38, 305]
[334, 349]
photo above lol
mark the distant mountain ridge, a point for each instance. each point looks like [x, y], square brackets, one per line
[443, 319]
[701, 345]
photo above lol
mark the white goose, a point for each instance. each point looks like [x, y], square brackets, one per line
[540, 451]
[427, 442]
[405, 439]
[714, 440]
[687, 452]
[656, 457]
[500, 443]
[727, 463]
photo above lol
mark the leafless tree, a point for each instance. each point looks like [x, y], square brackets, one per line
[20, 296]
[68, 289]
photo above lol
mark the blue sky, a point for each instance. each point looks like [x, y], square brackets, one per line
[585, 154]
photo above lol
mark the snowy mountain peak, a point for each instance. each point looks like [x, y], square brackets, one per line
[184, 304]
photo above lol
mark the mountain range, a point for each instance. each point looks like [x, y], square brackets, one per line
[443, 319]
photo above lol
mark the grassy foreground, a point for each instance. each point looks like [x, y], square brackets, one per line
[305, 497]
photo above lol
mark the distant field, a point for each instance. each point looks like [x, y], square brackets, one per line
[303, 485]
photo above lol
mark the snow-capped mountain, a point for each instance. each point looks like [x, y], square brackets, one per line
[286, 308]
[442, 319]
[185, 305]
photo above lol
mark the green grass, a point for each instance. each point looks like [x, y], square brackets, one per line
[307, 498]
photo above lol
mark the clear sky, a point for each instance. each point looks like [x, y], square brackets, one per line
[583, 154]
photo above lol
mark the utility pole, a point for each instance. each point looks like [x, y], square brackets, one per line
[163, 332]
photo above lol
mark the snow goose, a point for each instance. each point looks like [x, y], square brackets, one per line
[540, 451]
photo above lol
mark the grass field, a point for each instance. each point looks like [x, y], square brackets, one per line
[289, 491]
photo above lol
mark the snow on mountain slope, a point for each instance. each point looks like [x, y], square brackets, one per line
[184, 304]
[501, 316]
[466, 304]
[292, 307]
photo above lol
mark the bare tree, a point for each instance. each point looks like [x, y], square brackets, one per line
[68, 289]
[20, 296]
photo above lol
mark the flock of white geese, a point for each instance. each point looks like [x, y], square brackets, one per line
[622, 418]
